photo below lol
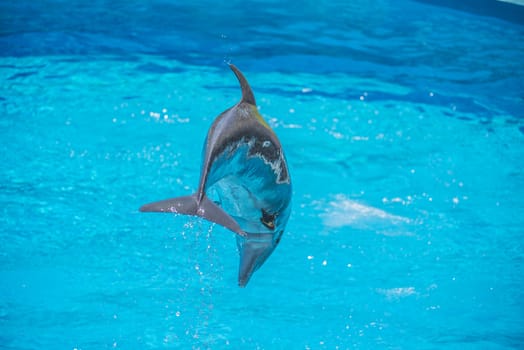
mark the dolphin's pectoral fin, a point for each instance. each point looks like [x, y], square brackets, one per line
[188, 205]
[268, 220]
[212, 212]
[181, 205]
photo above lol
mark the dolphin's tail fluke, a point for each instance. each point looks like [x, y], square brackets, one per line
[189, 205]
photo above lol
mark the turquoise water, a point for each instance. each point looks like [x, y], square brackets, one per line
[404, 132]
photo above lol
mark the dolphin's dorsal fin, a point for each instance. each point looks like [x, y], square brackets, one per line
[247, 94]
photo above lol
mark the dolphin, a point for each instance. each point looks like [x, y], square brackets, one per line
[244, 185]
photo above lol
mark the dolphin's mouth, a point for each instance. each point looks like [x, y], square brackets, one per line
[254, 250]
[246, 270]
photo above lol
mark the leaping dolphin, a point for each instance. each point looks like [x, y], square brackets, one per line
[244, 164]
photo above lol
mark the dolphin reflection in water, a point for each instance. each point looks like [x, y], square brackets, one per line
[244, 164]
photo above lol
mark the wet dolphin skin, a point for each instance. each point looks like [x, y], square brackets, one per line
[244, 167]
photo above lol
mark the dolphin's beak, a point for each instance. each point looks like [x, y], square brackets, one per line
[253, 250]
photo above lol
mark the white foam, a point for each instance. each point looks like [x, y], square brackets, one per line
[345, 212]
[397, 293]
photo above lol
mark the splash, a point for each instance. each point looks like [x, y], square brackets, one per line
[342, 212]
[397, 293]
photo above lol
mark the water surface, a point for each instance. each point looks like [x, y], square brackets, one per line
[403, 128]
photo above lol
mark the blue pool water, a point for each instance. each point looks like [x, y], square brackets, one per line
[403, 125]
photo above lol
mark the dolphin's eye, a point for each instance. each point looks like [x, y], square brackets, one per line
[268, 220]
